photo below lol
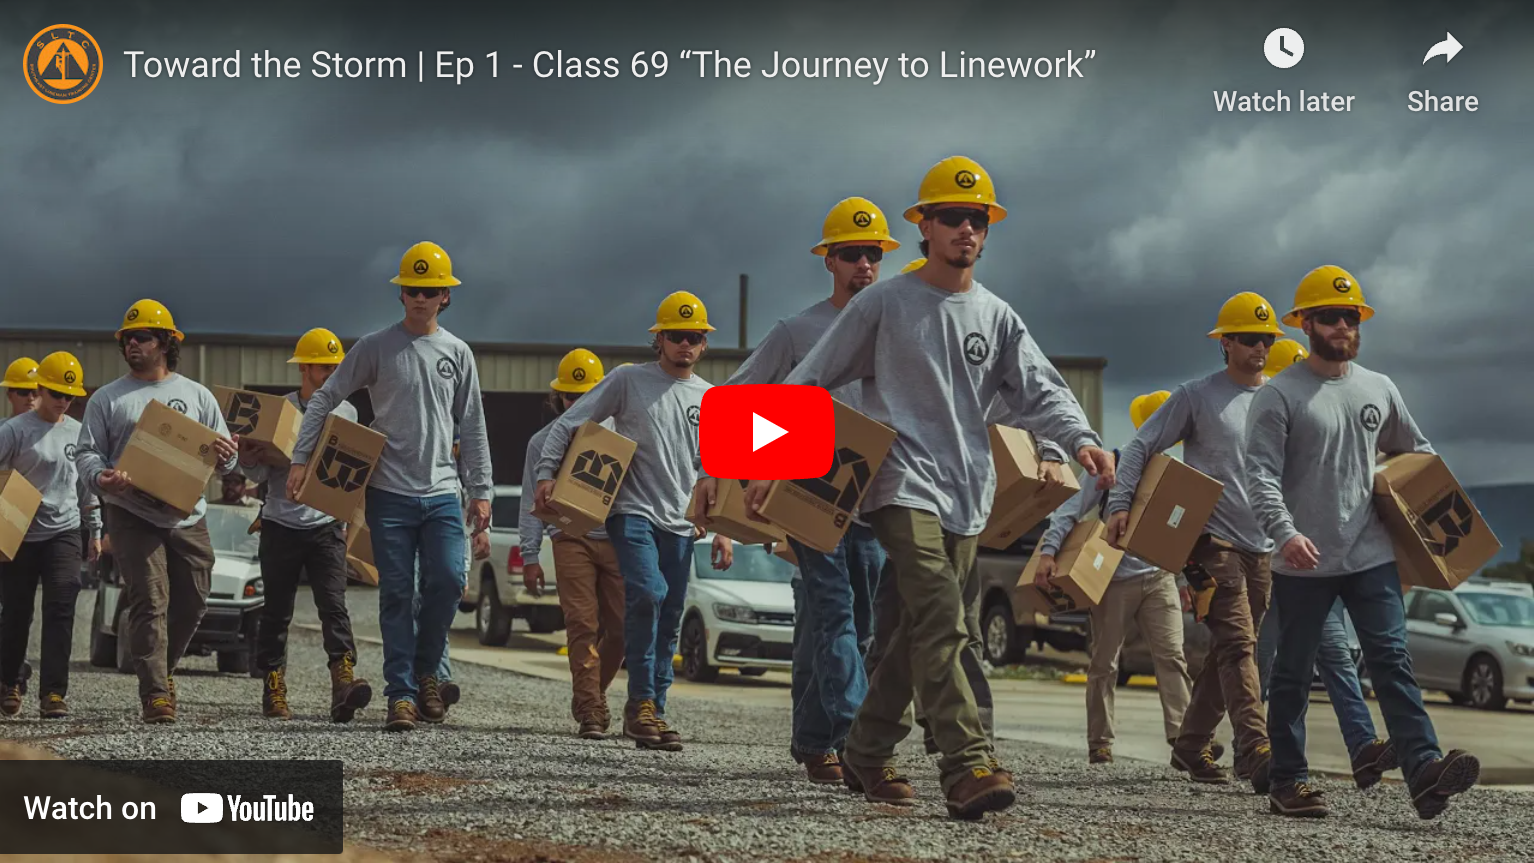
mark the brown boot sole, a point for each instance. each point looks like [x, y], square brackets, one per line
[1459, 775]
[975, 807]
[272, 714]
[1308, 812]
[360, 696]
[55, 714]
[827, 778]
[1366, 776]
[400, 725]
[643, 742]
[8, 710]
[591, 734]
[163, 719]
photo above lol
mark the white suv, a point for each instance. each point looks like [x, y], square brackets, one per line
[742, 617]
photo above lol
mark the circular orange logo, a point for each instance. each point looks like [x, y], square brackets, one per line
[62, 64]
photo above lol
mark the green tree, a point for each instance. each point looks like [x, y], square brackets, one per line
[1521, 569]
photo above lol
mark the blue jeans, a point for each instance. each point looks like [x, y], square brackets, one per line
[1373, 601]
[415, 630]
[1334, 661]
[829, 681]
[656, 565]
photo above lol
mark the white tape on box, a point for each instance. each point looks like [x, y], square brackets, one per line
[1175, 518]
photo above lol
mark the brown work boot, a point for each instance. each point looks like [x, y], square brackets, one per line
[1255, 765]
[1297, 800]
[348, 693]
[1372, 763]
[1199, 766]
[1442, 778]
[979, 792]
[53, 707]
[1099, 755]
[1216, 751]
[592, 729]
[159, 709]
[450, 693]
[402, 715]
[639, 724]
[996, 768]
[429, 693]
[670, 738]
[824, 769]
[10, 702]
[879, 785]
[274, 696]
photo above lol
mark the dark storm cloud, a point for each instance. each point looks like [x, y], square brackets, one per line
[572, 206]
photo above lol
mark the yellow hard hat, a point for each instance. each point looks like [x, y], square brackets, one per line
[855, 220]
[318, 347]
[956, 180]
[1327, 286]
[913, 266]
[579, 371]
[1142, 407]
[61, 372]
[1246, 312]
[149, 315]
[1283, 354]
[425, 265]
[681, 311]
[21, 374]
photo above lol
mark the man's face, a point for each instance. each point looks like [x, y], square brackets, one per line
[1334, 333]
[422, 304]
[21, 400]
[853, 265]
[683, 348]
[316, 374]
[955, 233]
[1247, 352]
[142, 349]
[234, 488]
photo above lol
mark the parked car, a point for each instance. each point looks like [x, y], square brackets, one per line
[741, 618]
[1007, 622]
[236, 595]
[1475, 643]
[494, 590]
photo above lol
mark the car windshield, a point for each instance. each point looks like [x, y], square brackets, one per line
[229, 530]
[506, 511]
[752, 563]
[1499, 609]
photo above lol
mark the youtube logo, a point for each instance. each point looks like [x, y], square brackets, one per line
[766, 431]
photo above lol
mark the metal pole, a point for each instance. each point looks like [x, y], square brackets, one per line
[744, 308]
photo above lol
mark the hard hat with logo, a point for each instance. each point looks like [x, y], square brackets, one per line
[61, 372]
[21, 374]
[956, 180]
[149, 315]
[855, 220]
[1327, 286]
[425, 265]
[1283, 354]
[1246, 312]
[1142, 407]
[318, 347]
[579, 371]
[681, 311]
[913, 266]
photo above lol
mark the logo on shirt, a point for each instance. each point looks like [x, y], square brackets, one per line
[69, 451]
[692, 415]
[964, 180]
[177, 405]
[862, 219]
[447, 369]
[244, 414]
[1370, 417]
[342, 470]
[976, 349]
[1452, 516]
[600, 471]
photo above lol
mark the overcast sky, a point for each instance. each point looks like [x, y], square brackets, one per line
[571, 206]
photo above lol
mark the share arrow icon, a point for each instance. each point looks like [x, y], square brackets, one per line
[1448, 48]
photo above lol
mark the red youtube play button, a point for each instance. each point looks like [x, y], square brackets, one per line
[766, 431]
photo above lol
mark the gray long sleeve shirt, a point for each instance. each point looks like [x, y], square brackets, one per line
[44, 453]
[1082, 505]
[930, 362]
[1209, 416]
[1310, 458]
[999, 413]
[420, 386]
[531, 529]
[279, 508]
[110, 417]
[660, 414]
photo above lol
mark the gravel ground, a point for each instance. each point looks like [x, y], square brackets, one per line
[506, 779]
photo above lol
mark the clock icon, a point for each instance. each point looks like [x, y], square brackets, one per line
[1283, 47]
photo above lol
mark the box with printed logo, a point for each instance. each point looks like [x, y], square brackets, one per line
[19, 501]
[169, 459]
[337, 473]
[1021, 500]
[1440, 537]
[728, 515]
[1171, 505]
[817, 511]
[588, 480]
[264, 421]
[1083, 568]
[359, 554]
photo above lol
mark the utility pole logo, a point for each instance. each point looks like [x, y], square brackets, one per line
[62, 64]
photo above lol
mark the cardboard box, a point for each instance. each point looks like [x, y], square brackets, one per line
[19, 500]
[169, 459]
[588, 480]
[359, 554]
[1440, 537]
[1021, 500]
[1171, 506]
[728, 515]
[817, 511]
[786, 552]
[336, 476]
[265, 421]
[1083, 568]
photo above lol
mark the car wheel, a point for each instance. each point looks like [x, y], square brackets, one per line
[1458, 699]
[1483, 683]
[1002, 646]
[492, 623]
[103, 646]
[695, 665]
[542, 619]
[124, 658]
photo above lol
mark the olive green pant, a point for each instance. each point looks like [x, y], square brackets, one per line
[923, 654]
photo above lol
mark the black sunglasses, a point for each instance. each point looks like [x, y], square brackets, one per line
[1252, 340]
[139, 337]
[853, 254]
[428, 293]
[953, 217]
[1333, 317]
[677, 337]
[63, 397]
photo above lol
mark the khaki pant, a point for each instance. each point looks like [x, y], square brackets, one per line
[1153, 604]
[165, 573]
[1228, 680]
[924, 652]
[590, 588]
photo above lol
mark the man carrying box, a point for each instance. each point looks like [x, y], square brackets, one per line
[1312, 436]
[165, 558]
[930, 339]
[296, 538]
[422, 379]
[655, 405]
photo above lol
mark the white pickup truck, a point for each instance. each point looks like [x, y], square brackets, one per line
[494, 591]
